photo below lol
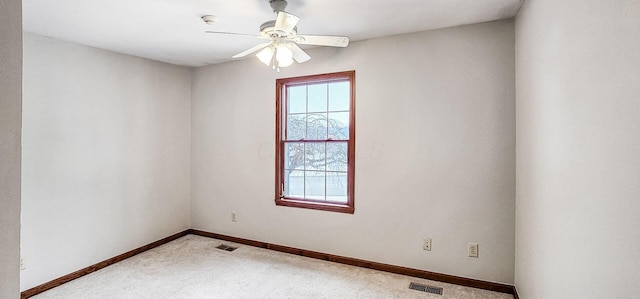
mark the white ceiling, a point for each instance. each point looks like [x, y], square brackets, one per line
[172, 31]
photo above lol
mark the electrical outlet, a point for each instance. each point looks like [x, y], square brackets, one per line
[473, 249]
[427, 244]
[234, 217]
[22, 264]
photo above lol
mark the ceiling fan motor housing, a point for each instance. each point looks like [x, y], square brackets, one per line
[268, 29]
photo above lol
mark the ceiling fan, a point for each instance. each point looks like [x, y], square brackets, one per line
[283, 49]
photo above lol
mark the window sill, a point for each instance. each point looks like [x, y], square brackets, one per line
[331, 207]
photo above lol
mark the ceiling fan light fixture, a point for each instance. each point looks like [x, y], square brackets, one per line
[266, 55]
[284, 55]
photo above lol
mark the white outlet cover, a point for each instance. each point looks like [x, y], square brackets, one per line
[427, 244]
[473, 249]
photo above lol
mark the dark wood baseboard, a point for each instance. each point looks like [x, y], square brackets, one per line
[468, 282]
[95, 267]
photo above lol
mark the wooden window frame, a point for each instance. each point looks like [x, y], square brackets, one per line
[281, 85]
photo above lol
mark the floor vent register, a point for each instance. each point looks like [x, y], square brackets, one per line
[227, 247]
[425, 288]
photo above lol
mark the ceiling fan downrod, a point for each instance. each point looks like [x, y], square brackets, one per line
[278, 5]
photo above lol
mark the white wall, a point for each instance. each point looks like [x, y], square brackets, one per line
[10, 128]
[578, 165]
[106, 141]
[435, 144]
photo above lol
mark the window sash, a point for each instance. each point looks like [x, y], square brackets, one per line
[332, 185]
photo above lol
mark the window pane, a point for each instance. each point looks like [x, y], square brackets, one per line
[339, 95]
[294, 183]
[337, 187]
[296, 126]
[339, 125]
[297, 99]
[294, 156]
[314, 185]
[317, 98]
[314, 158]
[316, 126]
[337, 156]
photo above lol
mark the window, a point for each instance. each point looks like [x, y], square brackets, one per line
[315, 142]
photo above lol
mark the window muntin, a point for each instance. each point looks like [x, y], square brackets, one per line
[316, 141]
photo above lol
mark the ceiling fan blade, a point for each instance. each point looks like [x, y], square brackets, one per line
[285, 22]
[251, 50]
[298, 54]
[238, 34]
[322, 40]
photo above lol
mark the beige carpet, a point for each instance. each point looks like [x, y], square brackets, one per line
[191, 267]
